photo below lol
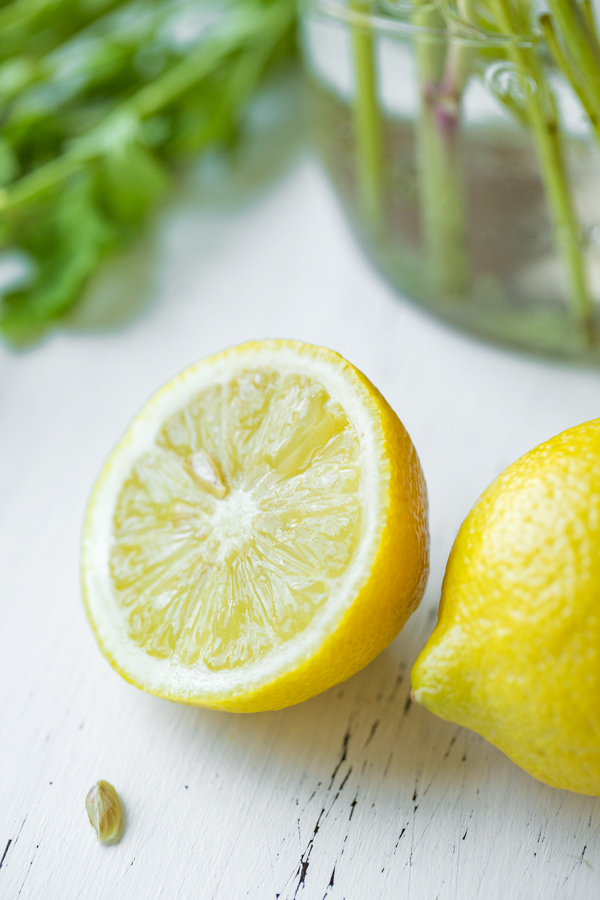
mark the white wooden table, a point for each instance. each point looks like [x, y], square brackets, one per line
[355, 794]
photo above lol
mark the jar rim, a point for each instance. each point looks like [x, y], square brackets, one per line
[396, 20]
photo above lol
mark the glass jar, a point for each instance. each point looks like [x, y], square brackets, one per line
[464, 144]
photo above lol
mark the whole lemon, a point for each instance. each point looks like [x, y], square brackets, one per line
[515, 655]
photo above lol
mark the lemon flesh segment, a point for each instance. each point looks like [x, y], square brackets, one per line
[234, 528]
[259, 533]
[515, 655]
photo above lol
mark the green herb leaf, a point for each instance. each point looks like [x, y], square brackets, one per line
[100, 100]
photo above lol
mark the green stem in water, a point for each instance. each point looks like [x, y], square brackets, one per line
[587, 8]
[367, 125]
[579, 36]
[566, 224]
[576, 51]
[540, 109]
[441, 77]
[588, 99]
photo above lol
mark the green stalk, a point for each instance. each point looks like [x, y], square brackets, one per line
[589, 99]
[543, 120]
[367, 125]
[440, 182]
[587, 9]
[581, 42]
[566, 224]
[577, 51]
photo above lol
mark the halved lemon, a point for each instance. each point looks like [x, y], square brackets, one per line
[260, 532]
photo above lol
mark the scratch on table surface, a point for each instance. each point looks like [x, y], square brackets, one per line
[410, 857]
[397, 685]
[126, 871]
[459, 843]
[579, 861]
[451, 745]
[446, 755]
[37, 847]
[432, 817]
[387, 765]
[302, 869]
[269, 852]
[6, 849]
[315, 791]
[343, 753]
[331, 883]
[20, 829]
[400, 836]
[372, 733]
[343, 784]
[12, 843]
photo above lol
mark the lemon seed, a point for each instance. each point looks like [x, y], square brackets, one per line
[104, 812]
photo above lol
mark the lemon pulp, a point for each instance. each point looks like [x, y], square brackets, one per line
[233, 529]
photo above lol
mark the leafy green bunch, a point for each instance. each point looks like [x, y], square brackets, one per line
[99, 100]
